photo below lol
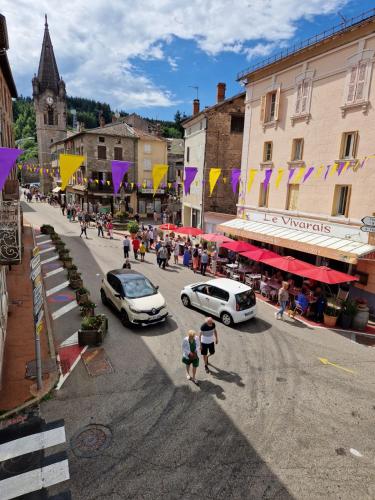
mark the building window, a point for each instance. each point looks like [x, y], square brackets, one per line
[237, 124]
[263, 195]
[188, 154]
[270, 104]
[297, 149]
[147, 148]
[195, 217]
[101, 139]
[349, 145]
[118, 141]
[118, 153]
[292, 197]
[341, 200]
[102, 153]
[267, 151]
[357, 83]
[147, 164]
[303, 97]
[50, 116]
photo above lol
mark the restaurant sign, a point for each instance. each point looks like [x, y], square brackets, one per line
[151, 191]
[315, 226]
[10, 233]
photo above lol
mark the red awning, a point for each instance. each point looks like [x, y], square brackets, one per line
[168, 227]
[191, 231]
[259, 254]
[239, 246]
[289, 264]
[328, 275]
[220, 238]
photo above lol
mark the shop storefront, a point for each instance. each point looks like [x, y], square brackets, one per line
[148, 203]
[316, 241]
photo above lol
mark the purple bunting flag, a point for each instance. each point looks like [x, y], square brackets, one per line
[235, 179]
[308, 173]
[267, 177]
[119, 169]
[327, 170]
[291, 173]
[190, 173]
[341, 166]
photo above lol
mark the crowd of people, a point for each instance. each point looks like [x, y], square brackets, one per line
[34, 194]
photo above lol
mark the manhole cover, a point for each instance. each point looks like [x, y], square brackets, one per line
[91, 441]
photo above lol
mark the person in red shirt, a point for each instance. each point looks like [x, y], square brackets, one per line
[136, 245]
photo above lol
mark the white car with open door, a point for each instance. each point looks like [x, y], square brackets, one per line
[229, 300]
[138, 301]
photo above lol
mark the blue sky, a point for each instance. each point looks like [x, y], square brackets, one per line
[143, 56]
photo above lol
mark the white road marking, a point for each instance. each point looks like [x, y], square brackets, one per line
[355, 452]
[44, 242]
[34, 480]
[51, 259]
[57, 288]
[34, 442]
[64, 377]
[55, 271]
[46, 250]
[63, 310]
[72, 340]
[40, 236]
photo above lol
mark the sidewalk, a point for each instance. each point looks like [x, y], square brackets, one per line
[19, 343]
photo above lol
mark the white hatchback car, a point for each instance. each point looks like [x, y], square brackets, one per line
[138, 301]
[226, 299]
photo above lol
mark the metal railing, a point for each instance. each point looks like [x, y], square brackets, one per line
[10, 233]
[342, 27]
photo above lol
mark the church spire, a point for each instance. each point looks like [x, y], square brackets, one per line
[48, 74]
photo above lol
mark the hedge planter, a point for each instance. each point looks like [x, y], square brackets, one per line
[88, 309]
[67, 263]
[47, 229]
[93, 330]
[82, 296]
[330, 321]
[55, 237]
[76, 282]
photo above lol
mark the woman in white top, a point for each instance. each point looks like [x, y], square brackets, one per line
[176, 251]
[190, 350]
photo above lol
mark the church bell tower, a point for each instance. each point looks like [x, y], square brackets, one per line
[49, 97]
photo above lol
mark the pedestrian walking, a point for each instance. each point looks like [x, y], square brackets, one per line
[63, 208]
[186, 257]
[110, 229]
[87, 218]
[99, 225]
[126, 246]
[204, 262]
[155, 217]
[83, 229]
[176, 252]
[283, 297]
[142, 250]
[136, 217]
[126, 264]
[80, 216]
[150, 234]
[207, 339]
[136, 245]
[190, 349]
[163, 256]
[196, 258]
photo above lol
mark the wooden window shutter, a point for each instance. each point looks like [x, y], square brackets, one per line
[355, 144]
[277, 103]
[352, 84]
[299, 98]
[263, 100]
[361, 78]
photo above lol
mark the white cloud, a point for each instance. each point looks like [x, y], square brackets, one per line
[97, 43]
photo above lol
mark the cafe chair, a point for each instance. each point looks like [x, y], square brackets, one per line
[342, 295]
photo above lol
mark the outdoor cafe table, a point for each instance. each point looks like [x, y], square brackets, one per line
[220, 262]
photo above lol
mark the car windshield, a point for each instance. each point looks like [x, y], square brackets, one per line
[245, 300]
[137, 288]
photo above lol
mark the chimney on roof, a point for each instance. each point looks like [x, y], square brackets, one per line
[195, 106]
[220, 95]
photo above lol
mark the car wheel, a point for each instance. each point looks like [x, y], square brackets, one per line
[124, 318]
[226, 319]
[185, 300]
[103, 296]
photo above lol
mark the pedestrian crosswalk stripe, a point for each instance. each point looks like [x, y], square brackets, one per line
[46, 250]
[51, 259]
[55, 271]
[72, 340]
[63, 310]
[57, 288]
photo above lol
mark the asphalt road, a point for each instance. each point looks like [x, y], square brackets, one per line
[271, 421]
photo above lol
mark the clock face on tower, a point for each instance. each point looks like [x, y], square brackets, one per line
[49, 100]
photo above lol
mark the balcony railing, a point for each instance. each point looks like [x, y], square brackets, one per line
[10, 233]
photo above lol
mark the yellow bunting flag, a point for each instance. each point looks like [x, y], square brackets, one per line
[334, 169]
[251, 178]
[158, 172]
[345, 168]
[169, 185]
[132, 185]
[280, 174]
[224, 180]
[299, 175]
[319, 172]
[68, 165]
[97, 181]
[213, 178]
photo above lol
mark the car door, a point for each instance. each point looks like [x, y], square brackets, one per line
[116, 292]
[218, 299]
[202, 297]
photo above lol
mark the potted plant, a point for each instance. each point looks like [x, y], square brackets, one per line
[47, 229]
[349, 309]
[93, 329]
[72, 271]
[67, 261]
[88, 309]
[59, 245]
[82, 295]
[330, 315]
[361, 316]
[75, 281]
[55, 237]
[133, 228]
